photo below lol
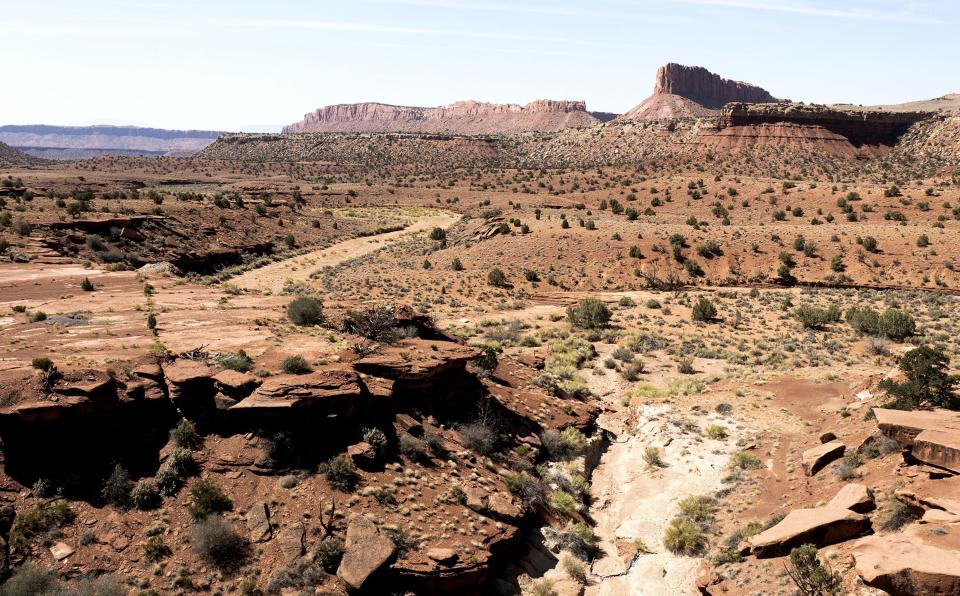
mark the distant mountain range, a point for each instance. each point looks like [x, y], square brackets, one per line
[82, 142]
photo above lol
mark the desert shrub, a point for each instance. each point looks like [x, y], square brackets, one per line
[698, 508]
[652, 457]
[811, 577]
[86, 285]
[717, 432]
[896, 324]
[305, 310]
[456, 264]
[703, 310]
[497, 278]
[185, 435]
[181, 462]
[168, 481]
[684, 537]
[206, 498]
[564, 445]
[31, 579]
[812, 317]
[116, 488]
[378, 323]
[626, 302]
[42, 363]
[590, 313]
[155, 550]
[329, 552]
[575, 569]
[215, 540]
[863, 320]
[145, 495]
[564, 503]
[239, 362]
[412, 448]
[529, 488]
[745, 461]
[340, 473]
[479, 436]
[928, 381]
[43, 518]
[303, 575]
[376, 438]
[295, 365]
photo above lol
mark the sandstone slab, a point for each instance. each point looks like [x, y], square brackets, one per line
[820, 526]
[855, 497]
[903, 426]
[940, 448]
[905, 565]
[816, 458]
[366, 549]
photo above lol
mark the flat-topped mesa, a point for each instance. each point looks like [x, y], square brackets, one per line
[706, 88]
[462, 117]
[693, 92]
[860, 127]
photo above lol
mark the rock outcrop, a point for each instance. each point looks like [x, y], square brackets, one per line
[462, 117]
[913, 562]
[366, 550]
[820, 526]
[82, 142]
[816, 458]
[693, 92]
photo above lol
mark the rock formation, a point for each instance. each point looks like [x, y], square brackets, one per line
[693, 91]
[82, 142]
[462, 117]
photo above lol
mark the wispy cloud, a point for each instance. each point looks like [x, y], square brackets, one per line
[805, 9]
[307, 24]
[517, 8]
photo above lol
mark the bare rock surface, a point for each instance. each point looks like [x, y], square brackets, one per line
[816, 458]
[821, 526]
[366, 550]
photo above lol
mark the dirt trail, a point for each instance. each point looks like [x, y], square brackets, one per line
[274, 276]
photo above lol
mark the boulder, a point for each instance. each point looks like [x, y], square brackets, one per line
[291, 541]
[235, 384]
[940, 448]
[444, 556]
[366, 550]
[828, 437]
[855, 497]
[939, 516]
[816, 458]
[924, 495]
[258, 522]
[190, 385]
[903, 426]
[362, 454]
[904, 564]
[330, 390]
[820, 526]
[61, 551]
[417, 360]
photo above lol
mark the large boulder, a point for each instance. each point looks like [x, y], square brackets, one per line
[906, 564]
[235, 384]
[329, 390]
[855, 497]
[904, 426]
[365, 550]
[924, 495]
[940, 448]
[417, 360]
[816, 458]
[820, 526]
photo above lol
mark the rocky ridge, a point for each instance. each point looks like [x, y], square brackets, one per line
[462, 117]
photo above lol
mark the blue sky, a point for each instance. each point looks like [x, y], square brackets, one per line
[232, 64]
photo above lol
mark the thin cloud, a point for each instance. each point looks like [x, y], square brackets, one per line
[862, 15]
[376, 28]
[524, 9]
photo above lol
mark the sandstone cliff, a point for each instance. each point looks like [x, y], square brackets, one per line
[693, 92]
[462, 117]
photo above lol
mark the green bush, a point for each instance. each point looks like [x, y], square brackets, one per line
[145, 495]
[590, 313]
[31, 579]
[181, 462]
[239, 362]
[928, 382]
[185, 435]
[38, 521]
[863, 320]
[215, 541]
[295, 365]
[86, 285]
[683, 536]
[810, 576]
[207, 498]
[155, 550]
[812, 317]
[116, 489]
[703, 310]
[340, 473]
[42, 363]
[497, 278]
[305, 310]
[896, 324]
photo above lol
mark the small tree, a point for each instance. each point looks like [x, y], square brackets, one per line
[927, 381]
[812, 577]
[703, 310]
[590, 313]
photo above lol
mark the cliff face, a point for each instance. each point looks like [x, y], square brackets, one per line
[462, 117]
[705, 88]
[859, 127]
[693, 92]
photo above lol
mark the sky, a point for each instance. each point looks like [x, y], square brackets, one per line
[244, 65]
